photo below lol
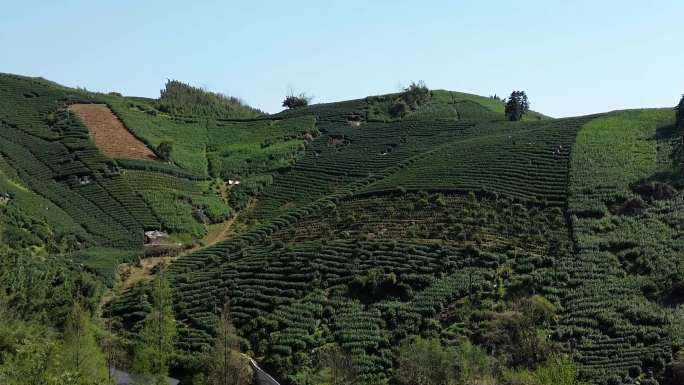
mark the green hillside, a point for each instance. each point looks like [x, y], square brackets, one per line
[515, 248]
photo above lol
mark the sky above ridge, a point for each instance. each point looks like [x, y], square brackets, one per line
[572, 57]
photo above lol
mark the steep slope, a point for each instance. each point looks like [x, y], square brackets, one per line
[339, 213]
[628, 244]
[360, 227]
[52, 155]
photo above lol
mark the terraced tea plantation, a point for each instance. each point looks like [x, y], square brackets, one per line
[348, 228]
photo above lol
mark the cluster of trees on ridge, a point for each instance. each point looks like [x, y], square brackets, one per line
[416, 94]
[178, 98]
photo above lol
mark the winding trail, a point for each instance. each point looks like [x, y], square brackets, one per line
[220, 231]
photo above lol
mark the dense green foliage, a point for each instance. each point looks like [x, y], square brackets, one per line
[517, 106]
[296, 101]
[55, 159]
[628, 248]
[178, 98]
[164, 150]
[155, 348]
[414, 238]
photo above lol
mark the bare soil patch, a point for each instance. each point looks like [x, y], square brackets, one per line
[109, 134]
[142, 270]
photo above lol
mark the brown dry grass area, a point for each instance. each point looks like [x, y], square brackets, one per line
[109, 134]
[131, 273]
[144, 270]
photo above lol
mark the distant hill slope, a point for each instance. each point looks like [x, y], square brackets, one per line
[362, 228]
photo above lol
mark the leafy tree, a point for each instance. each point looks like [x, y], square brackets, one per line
[156, 344]
[293, 101]
[80, 353]
[227, 366]
[410, 98]
[28, 365]
[425, 362]
[556, 370]
[399, 108]
[416, 94]
[338, 367]
[375, 284]
[473, 365]
[517, 335]
[517, 106]
[164, 150]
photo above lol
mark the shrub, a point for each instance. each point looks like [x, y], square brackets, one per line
[399, 108]
[164, 150]
[557, 370]
[296, 101]
[411, 97]
[425, 362]
[416, 94]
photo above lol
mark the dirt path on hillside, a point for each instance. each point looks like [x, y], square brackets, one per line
[134, 272]
[220, 231]
[146, 268]
[109, 134]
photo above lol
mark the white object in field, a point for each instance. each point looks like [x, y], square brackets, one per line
[155, 235]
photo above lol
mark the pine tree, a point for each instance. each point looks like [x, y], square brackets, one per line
[156, 344]
[227, 367]
[111, 345]
[80, 354]
[517, 106]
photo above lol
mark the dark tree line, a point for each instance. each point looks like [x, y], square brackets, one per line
[679, 121]
[178, 98]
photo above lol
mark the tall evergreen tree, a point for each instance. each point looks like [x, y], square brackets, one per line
[80, 354]
[227, 367]
[156, 344]
[517, 106]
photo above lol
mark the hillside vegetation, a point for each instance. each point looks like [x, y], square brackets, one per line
[412, 238]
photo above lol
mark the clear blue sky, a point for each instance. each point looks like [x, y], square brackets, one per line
[572, 57]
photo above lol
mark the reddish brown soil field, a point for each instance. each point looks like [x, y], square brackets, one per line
[109, 134]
